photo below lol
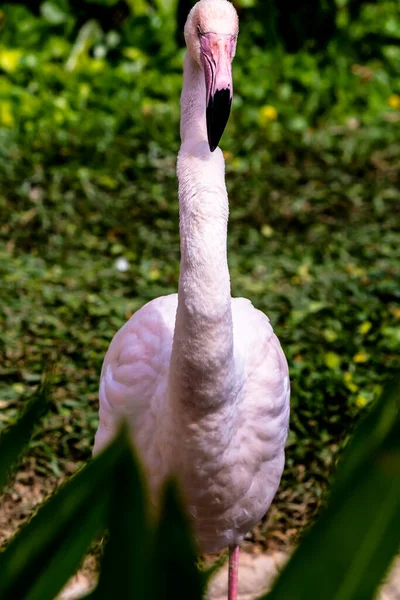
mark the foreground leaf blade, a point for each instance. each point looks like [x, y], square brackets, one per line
[67, 554]
[13, 441]
[178, 577]
[347, 552]
[60, 533]
[126, 557]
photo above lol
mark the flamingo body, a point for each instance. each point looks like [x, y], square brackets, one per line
[230, 461]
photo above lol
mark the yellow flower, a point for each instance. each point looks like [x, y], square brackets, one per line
[360, 357]
[361, 401]
[9, 60]
[348, 379]
[6, 115]
[268, 113]
[394, 101]
[365, 327]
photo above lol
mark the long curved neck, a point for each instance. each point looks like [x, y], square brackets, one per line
[202, 362]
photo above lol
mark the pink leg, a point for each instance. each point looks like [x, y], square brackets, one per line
[233, 572]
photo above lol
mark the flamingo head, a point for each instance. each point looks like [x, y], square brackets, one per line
[211, 32]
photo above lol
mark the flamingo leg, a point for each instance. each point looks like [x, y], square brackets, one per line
[233, 572]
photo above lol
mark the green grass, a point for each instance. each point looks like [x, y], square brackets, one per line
[327, 274]
[87, 175]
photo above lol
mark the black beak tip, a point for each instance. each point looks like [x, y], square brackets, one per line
[217, 115]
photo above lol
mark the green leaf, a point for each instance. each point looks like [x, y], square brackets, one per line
[346, 554]
[103, 2]
[13, 441]
[126, 559]
[88, 34]
[48, 550]
[168, 7]
[138, 7]
[175, 553]
[332, 360]
[53, 14]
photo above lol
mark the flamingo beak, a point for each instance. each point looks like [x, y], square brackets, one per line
[217, 51]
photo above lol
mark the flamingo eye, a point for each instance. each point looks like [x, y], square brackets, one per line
[199, 30]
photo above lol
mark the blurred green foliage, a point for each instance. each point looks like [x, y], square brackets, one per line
[89, 132]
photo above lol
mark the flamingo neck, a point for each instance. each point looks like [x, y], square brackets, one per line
[193, 103]
[202, 367]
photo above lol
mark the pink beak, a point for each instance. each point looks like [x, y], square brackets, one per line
[217, 51]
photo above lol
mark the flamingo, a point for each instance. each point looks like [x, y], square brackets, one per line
[200, 377]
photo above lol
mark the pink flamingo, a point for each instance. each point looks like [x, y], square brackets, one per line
[201, 377]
